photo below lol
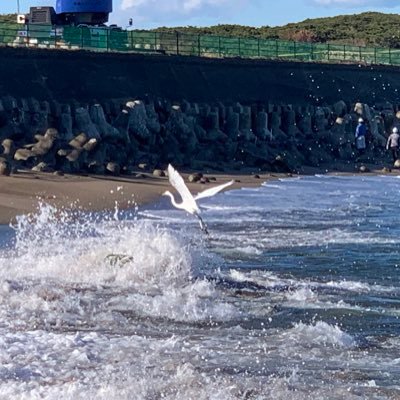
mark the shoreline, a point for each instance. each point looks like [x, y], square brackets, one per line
[22, 192]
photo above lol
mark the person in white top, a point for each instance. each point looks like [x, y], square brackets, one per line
[393, 143]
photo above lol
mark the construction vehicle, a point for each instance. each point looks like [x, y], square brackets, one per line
[69, 13]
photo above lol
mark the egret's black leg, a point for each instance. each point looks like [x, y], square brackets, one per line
[203, 226]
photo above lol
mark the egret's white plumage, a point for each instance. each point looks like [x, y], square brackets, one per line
[188, 200]
[212, 191]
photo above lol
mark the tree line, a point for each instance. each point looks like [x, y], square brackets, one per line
[366, 29]
[8, 18]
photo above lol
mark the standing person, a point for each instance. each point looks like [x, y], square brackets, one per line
[360, 134]
[393, 143]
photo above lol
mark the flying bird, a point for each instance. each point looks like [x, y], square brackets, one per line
[188, 200]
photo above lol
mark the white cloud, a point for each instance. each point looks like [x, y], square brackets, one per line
[167, 10]
[357, 3]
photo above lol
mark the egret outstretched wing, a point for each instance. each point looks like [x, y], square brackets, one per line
[212, 191]
[188, 201]
[176, 180]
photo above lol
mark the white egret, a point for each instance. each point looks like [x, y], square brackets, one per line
[188, 200]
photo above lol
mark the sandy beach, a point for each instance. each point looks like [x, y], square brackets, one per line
[21, 193]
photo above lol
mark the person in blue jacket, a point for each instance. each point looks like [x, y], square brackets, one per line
[361, 132]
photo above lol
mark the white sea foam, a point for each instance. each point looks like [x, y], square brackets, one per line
[57, 254]
[306, 290]
[54, 246]
[263, 278]
[96, 366]
[318, 334]
[303, 295]
[250, 250]
[196, 301]
[351, 285]
[360, 286]
[306, 298]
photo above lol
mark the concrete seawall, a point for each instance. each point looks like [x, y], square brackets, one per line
[86, 77]
[74, 112]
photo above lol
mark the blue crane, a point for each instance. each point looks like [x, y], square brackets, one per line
[72, 12]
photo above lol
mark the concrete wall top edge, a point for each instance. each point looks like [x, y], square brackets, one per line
[65, 75]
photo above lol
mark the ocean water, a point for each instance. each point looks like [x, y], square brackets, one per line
[295, 295]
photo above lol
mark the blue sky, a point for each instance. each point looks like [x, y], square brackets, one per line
[153, 13]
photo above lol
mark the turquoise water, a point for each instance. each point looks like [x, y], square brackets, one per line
[295, 295]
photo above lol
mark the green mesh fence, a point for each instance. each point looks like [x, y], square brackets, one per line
[11, 34]
[72, 37]
[143, 41]
[103, 39]
[209, 46]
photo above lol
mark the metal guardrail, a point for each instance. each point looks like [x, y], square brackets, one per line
[103, 39]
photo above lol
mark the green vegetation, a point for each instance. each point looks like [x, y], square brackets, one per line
[8, 18]
[366, 29]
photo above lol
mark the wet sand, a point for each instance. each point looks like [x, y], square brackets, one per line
[21, 193]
